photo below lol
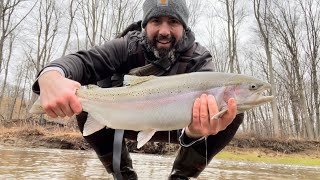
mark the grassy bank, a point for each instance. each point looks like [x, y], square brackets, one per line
[257, 155]
[244, 148]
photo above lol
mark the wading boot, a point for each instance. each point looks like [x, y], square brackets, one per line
[102, 143]
[126, 169]
[188, 163]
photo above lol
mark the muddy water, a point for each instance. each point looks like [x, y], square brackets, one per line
[25, 163]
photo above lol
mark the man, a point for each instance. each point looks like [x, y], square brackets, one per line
[169, 45]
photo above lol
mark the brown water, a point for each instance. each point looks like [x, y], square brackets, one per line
[26, 163]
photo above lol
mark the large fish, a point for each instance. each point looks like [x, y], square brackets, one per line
[149, 103]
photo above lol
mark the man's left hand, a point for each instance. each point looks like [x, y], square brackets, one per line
[202, 124]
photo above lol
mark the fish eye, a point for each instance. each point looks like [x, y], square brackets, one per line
[253, 87]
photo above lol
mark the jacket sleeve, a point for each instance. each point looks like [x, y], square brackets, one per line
[92, 65]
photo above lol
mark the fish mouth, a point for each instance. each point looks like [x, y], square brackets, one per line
[262, 100]
[263, 88]
[256, 103]
[260, 97]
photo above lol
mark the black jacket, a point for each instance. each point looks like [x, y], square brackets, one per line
[120, 55]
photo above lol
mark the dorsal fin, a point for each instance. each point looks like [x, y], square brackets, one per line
[130, 80]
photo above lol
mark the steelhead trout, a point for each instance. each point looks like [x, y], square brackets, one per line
[149, 103]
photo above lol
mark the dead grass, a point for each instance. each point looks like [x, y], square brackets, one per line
[31, 134]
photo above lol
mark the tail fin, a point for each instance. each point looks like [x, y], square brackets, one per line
[37, 108]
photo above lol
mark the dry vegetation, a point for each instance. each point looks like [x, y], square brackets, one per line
[68, 137]
[50, 136]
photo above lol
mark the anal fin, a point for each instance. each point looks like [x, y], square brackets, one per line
[91, 126]
[144, 137]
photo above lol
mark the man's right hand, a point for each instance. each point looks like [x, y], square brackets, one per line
[57, 95]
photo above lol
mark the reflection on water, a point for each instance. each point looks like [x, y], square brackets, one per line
[25, 163]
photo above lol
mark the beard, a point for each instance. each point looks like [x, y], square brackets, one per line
[162, 52]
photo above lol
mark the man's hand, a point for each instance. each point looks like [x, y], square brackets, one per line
[204, 108]
[57, 95]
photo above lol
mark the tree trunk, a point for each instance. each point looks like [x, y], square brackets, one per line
[304, 109]
[311, 11]
[265, 36]
[72, 14]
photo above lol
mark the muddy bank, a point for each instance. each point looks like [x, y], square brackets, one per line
[288, 146]
[69, 138]
[38, 137]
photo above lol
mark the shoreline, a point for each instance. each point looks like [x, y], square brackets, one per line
[242, 148]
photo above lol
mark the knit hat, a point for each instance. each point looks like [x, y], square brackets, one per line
[157, 8]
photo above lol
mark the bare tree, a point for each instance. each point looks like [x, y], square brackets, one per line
[15, 93]
[289, 84]
[285, 24]
[44, 31]
[216, 46]
[125, 14]
[195, 10]
[120, 7]
[91, 15]
[234, 18]
[104, 20]
[6, 68]
[8, 26]
[232, 15]
[73, 7]
[7, 10]
[24, 106]
[105, 23]
[261, 15]
[311, 12]
[47, 21]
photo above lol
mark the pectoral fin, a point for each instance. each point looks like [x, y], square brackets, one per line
[219, 114]
[144, 137]
[91, 126]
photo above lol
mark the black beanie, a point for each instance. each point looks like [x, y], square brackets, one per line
[157, 8]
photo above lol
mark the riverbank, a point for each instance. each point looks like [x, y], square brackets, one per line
[248, 148]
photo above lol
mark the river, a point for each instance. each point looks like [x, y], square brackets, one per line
[37, 163]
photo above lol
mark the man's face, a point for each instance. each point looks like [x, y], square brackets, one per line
[164, 33]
